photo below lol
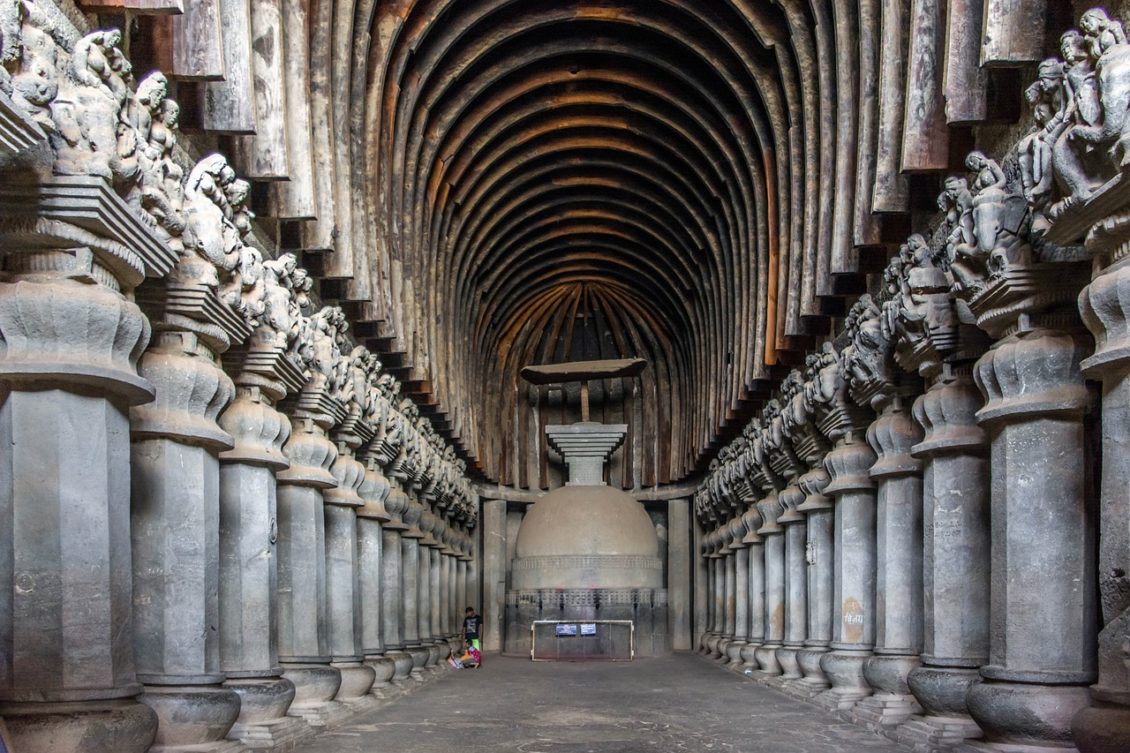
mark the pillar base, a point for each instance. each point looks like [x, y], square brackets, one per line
[749, 657]
[720, 648]
[433, 662]
[704, 643]
[315, 686]
[734, 654]
[262, 721]
[814, 681]
[1018, 717]
[941, 691]
[767, 659]
[356, 680]
[790, 664]
[712, 645]
[123, 726]
[1102, 728]
[402, 663]
[844, 669]
[419, 656]
[891, 702]
[384, 669]
[193, 717]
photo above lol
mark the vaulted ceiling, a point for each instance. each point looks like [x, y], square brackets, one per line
[620, 163]
[503, 182]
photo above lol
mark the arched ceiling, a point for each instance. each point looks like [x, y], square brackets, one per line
[690, 182]
[537, 158]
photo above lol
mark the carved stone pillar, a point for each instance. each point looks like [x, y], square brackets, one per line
[438, 636]
[424, 587]
[392, 600]
[409, 589]
[717, 593]
[853, 612]
[755, 637]
[796, 582]
[68, 682]
[774, 546]
[956, 549]
[1104, 727]
[898, 609]
[370, 563]
[1040, 659]
[741, 593]
[175, 525]
[729, 593]
[819, 554]
[248, 558]
[712, 635]
[708, 601]
[343, 585]
[304, 650]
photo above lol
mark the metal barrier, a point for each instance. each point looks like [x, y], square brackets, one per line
[582, 640]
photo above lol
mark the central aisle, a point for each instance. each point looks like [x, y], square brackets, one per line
[677, 703]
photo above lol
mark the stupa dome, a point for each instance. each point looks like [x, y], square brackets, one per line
[587, 537]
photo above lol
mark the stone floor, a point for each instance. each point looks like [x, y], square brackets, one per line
[678, 703]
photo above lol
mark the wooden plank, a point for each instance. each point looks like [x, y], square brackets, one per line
[866, 225]
[196, 41]
[264, 156]
[964, 82]
[228, 105]
[294, 199]
[577, 371]
[925, 140]
[1013, 32]
[890, 192]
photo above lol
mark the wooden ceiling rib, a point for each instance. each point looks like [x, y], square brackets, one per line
[628, 177]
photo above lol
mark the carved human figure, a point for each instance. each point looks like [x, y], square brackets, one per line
[1079, 165]
[160, 189]
[1102, 32]
[1045, 96]
[1106, 138]
[93, 135]
[33, 62]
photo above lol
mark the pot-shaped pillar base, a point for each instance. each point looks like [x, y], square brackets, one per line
[193, 717]
[790, 664]
[945, 721]
[734, 654]
[891, 702]
[262, 721]
[315, 686]
[402, 662]
[356, 680]
[384, 669]
[844, 669]
[767, 659]
[749, 657]
[1020, 716]
[124, 726]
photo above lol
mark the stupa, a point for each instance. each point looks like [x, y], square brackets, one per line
[587, 551]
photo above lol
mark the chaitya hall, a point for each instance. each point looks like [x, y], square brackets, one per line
[788, 335]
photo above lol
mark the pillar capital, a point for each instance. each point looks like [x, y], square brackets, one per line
[1033, 373]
